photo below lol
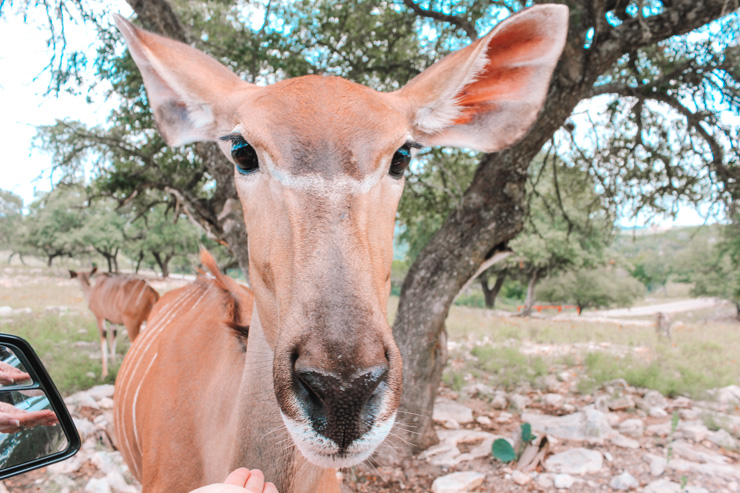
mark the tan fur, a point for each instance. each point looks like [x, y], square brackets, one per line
[199, 394]
[121, 300]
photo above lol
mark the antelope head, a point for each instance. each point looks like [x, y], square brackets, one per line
[319, 167]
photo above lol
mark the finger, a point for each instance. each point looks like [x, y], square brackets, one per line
[256, 482]
[270, 488]
[6, 380]
[238, 477]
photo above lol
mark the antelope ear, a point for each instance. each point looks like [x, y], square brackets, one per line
[94, 270]
[187, 89]
[487, 95]
[72, 274]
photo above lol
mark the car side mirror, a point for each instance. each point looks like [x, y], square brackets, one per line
[35, 426]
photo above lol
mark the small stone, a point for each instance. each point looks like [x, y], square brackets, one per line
[632, 427]
[689, 414]
[655, 399]
[520, 478]
[569, 408]
[665, 486]
[518, 402]
[106, 403]
[98, 485]
[445, 410]
[554, 401]
[609, 457]
[682, 403]
[484, 420]
[621, 403]
[624, 482]
[499, 401]
[624, 442]
[657, 412]
[727, 395]
[504, 417]
[563, 481]
[575, 461]
[693, 431]
[84, 427]
[658, 464]
[451, 424]
[723, 439]
[660, 429]
[544, 481]
[457, 482]
[602, 404]
[552, 384]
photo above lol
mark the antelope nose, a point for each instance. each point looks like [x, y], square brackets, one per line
[342, 409]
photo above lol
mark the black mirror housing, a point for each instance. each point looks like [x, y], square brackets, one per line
[38, 386]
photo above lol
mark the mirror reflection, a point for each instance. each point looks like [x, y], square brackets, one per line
[12, 371]
[29, 427]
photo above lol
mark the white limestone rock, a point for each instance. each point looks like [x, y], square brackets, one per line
[588, 425]
[624, 442]
[554, 401]
[623, 482]
[457, 482]
[575, 461]
[632, 427]
[563, 481]
[446, 410]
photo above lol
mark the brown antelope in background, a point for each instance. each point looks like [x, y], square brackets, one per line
[319, 162]
[118, 299]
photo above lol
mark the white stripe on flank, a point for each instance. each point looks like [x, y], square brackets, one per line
[133, 416]
[148, 338]
[141, 292]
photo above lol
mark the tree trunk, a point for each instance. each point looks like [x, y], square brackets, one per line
[490, 294]
[163, 262]
[737, 310]
[138, 262]
[529, 301]
[49, 260]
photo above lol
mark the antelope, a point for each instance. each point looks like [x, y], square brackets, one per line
[122, 300]
[314, 383]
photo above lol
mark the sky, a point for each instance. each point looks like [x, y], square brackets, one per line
[23, 56]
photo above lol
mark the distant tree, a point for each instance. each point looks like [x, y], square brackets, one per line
[163, 235]
[592, 288]
[11, 219]
[55, 222]
[714, 266]
[103, 231]
[567, 228]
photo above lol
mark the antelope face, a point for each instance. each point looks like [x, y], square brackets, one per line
[319, 202]
[318, 167]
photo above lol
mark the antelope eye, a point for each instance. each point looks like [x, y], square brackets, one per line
[244, 156]
[400, 162]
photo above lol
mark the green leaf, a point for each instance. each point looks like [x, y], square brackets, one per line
[527, 435]
[503, 451]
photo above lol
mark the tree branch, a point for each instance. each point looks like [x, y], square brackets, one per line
[459, 22]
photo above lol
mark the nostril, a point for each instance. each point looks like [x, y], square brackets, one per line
[315, 383]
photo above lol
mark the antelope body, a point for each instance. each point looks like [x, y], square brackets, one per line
[315, 382]
[118, 299]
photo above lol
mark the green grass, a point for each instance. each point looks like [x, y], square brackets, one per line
[69, 347]
[508, 366]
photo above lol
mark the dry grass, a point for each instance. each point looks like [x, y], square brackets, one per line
[501, 351]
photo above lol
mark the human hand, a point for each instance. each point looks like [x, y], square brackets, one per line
[10, 375]
[241, 481]
[13, 420]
